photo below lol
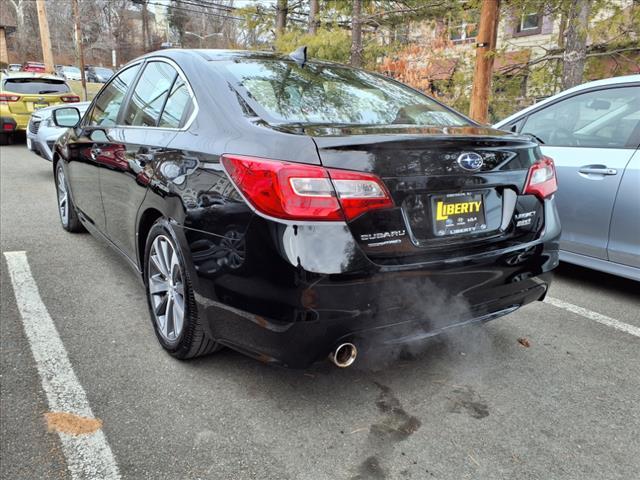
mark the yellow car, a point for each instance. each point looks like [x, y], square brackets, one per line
[22, 93]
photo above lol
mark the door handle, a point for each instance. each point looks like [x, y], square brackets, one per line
[598, 170]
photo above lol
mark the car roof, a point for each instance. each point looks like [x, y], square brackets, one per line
[222, 54]
[585, 86]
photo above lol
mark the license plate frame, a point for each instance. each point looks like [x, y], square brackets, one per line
[449, 220]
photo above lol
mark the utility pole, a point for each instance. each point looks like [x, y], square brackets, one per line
[485, 50]
[45, 39]
[79, 51]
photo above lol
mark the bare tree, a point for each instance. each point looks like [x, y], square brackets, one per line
[356, 34]
[27, 29]
[575, 43]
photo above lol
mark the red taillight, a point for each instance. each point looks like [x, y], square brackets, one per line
[7, 127]
[70, 98]
[294, 191]
[359, 192]
[8, 97]
[541, 180]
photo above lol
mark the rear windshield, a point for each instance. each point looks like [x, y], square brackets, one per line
[321, 94]
[35, 86]
[71, 69]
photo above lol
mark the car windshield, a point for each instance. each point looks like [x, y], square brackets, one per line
[323, 94]
[35, 86]
[71, 70]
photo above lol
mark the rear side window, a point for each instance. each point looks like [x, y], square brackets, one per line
[178, 107]
[107, 105]
[150, 94]
[35, 86]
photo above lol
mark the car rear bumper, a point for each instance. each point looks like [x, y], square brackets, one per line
[291, 302]
[324, 326]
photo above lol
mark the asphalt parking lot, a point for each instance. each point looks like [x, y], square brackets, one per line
[479, 404]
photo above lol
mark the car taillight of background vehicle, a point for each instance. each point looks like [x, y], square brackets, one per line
[6, 98]
[541, 180]
[294, 191]
[70, 98]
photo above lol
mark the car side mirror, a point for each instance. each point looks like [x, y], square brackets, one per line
[67, 117]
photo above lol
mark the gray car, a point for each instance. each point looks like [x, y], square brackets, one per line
[41, 131]
[593, 133]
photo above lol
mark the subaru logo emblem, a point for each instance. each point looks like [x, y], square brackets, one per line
[470, 161]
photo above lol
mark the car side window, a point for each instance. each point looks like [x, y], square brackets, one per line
[178, 107]
[150, 94]
[602, 118]
[107, 105]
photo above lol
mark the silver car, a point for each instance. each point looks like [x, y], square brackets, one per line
[593, 133]
[41, 131]
[69, 72]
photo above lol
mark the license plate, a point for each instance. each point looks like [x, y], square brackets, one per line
[37, 106]
[458, 213]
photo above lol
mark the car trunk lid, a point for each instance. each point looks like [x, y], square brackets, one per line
[451, 186]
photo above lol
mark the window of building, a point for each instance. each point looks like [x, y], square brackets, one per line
[529, 23]
[463, 32]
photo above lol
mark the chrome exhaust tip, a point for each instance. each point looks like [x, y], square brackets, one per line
[344, 355]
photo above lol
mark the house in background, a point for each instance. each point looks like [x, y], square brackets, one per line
[7, 27]
[440, 55]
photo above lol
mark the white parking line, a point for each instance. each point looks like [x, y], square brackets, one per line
[595, 316]
[88, 455]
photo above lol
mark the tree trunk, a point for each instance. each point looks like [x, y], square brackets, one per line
[145, 28]
[145, 47]
[485, 48]
[314, 9]
[575, 52]
[45, 37]
[282, 9]
[78, 39]
[356, 34]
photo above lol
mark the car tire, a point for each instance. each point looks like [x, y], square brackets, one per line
[5, 139]
[170, 296]
[66, 209]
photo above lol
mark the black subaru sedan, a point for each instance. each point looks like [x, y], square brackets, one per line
[294, 210]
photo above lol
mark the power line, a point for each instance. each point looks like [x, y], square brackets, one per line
[205, 4]
[200, 12]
